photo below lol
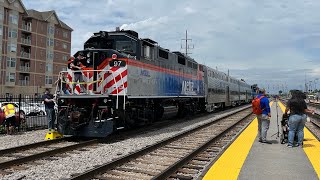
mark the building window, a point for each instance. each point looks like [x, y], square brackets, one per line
[1, 14]
[13, 33]
[65, 34]
[56, 55]
[11, 62]
[63, 69]
[65, 58]
[1, 30]
[49, 55]
[64, 45]
[48, 79]
[50, 42]
[13, 19]
[57, 43]
[51, 30]
[48, 67]
[10, 77]
[12, 47]
[41, 53]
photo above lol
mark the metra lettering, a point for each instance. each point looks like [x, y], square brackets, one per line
[144, 73]
[187, 86]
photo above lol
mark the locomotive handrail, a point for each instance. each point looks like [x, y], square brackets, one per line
[96, 81]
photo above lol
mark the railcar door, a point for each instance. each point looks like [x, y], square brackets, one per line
[227, 96]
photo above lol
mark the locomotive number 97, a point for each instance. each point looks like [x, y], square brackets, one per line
[117, 63]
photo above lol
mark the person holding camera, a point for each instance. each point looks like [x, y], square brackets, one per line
[49, 102]
[297, 119]
[76, 67]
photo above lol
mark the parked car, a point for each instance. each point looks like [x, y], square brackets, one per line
[21, 113]
[40, 108]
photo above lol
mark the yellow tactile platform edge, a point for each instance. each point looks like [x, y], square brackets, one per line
[311, 147]
[229, 165]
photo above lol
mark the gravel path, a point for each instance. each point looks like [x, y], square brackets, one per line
[77, 163]
[9, 141]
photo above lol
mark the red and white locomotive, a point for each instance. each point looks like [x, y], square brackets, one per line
[128, 81]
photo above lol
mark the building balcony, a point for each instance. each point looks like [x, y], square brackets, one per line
[23, 82]
[26, 27]
[25, 68]
[25, 55]
[26, 41]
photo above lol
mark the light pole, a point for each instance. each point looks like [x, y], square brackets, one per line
[310, 86]
[315, 83]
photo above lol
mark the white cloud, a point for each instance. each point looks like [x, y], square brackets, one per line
[264, 36]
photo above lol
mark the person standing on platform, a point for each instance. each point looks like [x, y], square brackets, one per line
[49, 100]
[264, 118]
[297, 119]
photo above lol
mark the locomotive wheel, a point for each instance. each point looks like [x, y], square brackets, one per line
[62, 121]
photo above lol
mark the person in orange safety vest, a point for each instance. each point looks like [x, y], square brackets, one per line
[9, 112]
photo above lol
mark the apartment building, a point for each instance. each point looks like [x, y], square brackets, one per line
[34, 47]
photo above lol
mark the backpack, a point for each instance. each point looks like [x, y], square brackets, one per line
[256, 109]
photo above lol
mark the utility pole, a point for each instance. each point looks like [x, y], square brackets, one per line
[305, 82]
[187, 47]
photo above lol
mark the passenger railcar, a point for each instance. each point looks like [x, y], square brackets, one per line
[130, 81]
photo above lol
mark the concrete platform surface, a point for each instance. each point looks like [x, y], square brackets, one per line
[276, 160]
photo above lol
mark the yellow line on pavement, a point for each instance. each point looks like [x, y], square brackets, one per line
[311, 147]
[229, 165]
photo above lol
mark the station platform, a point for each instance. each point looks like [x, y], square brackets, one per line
[246, 158]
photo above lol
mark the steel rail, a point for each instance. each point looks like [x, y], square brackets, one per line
[121, 160]
[29, 146]
[173, 168]
[33, 157]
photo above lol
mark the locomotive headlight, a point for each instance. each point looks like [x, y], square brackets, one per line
[105, 100]
[60, 101]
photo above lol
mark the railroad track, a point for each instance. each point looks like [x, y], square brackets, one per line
[314, 125]
[14, 158]
[183, 156]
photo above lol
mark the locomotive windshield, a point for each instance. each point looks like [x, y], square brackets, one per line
[126, 46]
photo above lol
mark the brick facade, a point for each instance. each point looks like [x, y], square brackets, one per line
[34, 45]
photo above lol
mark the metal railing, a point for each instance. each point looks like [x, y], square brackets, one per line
[26, 27]
[25, 55]
[91, 84]
[26, 41]
[25, 68]
[23, 82]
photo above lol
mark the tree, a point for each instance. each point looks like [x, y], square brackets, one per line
[280, 92]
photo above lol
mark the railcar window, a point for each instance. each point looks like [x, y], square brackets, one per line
[189, 64]
[195, 66]
[147, 52]
[163, 54]
[181, 60]
[200, 67]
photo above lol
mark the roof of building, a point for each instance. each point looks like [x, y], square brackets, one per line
[44, 16]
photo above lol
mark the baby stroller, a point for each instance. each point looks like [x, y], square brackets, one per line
[285, 129]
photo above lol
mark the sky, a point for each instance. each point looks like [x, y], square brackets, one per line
[272, 43]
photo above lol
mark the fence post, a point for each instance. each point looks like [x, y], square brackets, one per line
[19, 113]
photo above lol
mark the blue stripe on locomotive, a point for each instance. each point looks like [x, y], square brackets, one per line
[173, 85]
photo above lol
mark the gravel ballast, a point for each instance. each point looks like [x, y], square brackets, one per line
[78, 163]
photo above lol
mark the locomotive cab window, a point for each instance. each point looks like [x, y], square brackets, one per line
[126, 46]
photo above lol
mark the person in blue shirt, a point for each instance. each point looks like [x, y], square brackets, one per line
[264, 118]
